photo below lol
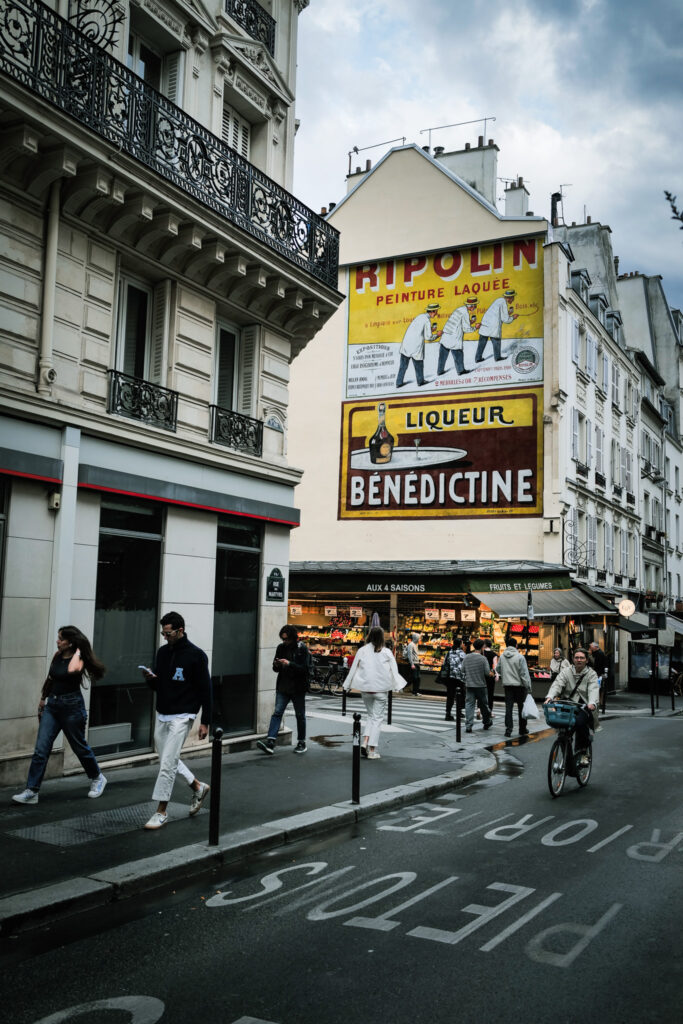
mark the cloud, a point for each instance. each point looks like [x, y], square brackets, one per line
[586, 92]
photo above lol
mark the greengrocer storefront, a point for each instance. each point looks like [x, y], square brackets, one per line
[333, 604]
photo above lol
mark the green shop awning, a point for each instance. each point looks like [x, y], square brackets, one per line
[547, 603]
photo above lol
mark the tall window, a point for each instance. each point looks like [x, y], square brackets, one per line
[126, 624]
[235, 624]
[143, 319]
[227, 346]
[236, 131]
[159, 69]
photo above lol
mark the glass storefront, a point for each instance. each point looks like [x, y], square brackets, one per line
[235, 625]
[126, 625]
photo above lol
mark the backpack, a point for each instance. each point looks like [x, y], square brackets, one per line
[308, 659]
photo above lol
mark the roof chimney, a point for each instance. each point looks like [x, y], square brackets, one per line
[332, 206]
[516, 199]
[555, 200]
[477, 167]
[438, 150]
[588, 220]
[480, 143]
[467, 145]
[323, 211]
[616, 265]
[425, 149]
[368, 165]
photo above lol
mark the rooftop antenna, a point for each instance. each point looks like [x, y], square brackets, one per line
[356, 150]
[458, 124]
[562, 194]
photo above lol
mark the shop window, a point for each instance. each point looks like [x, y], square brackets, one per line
[235, 624]
[143, 319]
[126, 624]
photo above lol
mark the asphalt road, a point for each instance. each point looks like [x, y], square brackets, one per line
[491, 903]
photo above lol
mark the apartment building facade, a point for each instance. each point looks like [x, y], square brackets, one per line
[157, 278]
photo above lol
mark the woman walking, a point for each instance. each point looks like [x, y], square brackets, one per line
[374, 672]
[62, 709]
[557, 663]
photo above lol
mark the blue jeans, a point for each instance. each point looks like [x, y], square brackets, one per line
[65, 714]
[404, 363]
[281, 701]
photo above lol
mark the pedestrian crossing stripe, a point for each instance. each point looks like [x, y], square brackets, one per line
[417, 714]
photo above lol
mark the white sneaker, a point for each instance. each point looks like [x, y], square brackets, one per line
[373, 756]
[198, 797]
[29, 796]
[97, 787]
[157, 820]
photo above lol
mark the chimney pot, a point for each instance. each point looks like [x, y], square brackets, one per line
[490, 142]
[332, 206]
[573, 223]
[467, 145]
[481, 141]
[438, 150]
[520, 181]
[323, 211]
[530, 213]
[616, 264]
[588, 220]
[357, 170]
[368, 165]
[425, 149]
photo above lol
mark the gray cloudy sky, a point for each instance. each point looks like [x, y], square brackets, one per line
[587, 92]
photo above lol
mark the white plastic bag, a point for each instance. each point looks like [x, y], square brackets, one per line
[529, 709]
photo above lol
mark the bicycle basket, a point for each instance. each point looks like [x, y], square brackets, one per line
[560, 713]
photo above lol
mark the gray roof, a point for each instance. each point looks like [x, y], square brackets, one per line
[428, 568]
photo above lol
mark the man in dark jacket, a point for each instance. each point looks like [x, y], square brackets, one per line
[182, 684]
[291, 663]
[476, 670]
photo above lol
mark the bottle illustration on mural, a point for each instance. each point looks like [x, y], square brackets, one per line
[381, 444]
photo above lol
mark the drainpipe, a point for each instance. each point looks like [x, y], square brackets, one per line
[46, 371]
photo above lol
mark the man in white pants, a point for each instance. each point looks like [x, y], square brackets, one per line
[182, 684]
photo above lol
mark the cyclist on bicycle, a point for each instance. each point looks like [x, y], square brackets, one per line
[578, 683]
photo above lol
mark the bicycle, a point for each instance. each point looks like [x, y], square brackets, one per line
[561, 714]
[326, 679]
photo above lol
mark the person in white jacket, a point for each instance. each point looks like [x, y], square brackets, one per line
[374, 672]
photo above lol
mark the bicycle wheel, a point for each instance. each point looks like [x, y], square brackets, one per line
[315, 680]
[557, 767]
[583, 771]
[335, 682]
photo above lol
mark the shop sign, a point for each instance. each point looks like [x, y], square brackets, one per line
[295, 610]
[448, 614]
[468, 615]
[485, 615]
[355, 611]
[450, 456]
[395, 588]
[503, 585]
[275, 587]
[330, 611]
[411, 319]
[431, 614]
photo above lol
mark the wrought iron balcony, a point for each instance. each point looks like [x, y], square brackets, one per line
[241, 433]
[47, 55]
[254, 20]
[140, 400]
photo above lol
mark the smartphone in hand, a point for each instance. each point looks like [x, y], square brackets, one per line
[147, 671]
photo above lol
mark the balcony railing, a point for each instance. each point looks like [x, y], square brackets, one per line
[140, 400]
[241, 433]
[54, 60]
[254, 20]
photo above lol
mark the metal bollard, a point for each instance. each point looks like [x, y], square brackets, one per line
[355, 772]
[458, 713]
[215, 795]
[389, 708]
[344, 696]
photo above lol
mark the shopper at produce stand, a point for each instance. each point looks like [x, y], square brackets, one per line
[475, 668]
[452, 675]
[413, 659]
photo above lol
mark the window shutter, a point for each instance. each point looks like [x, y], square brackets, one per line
[225, 368]
[589, 443]
[575, 433]
[173, 77]
[609, 546]
[622, 467]
[576, 341]
[248, 371]
[629, 471]
[598, 450]
[236, 131]
[605, 373]
[624, 552]
[161, 318]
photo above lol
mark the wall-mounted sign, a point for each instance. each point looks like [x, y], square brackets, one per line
[485, 615]
[448, 614]
[275, 586]
[468, 615]
[355, 612]
[330, 610]
[431, 614]
[294, 609]
[626, 608]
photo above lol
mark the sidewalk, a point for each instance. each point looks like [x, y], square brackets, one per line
[68, 853]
